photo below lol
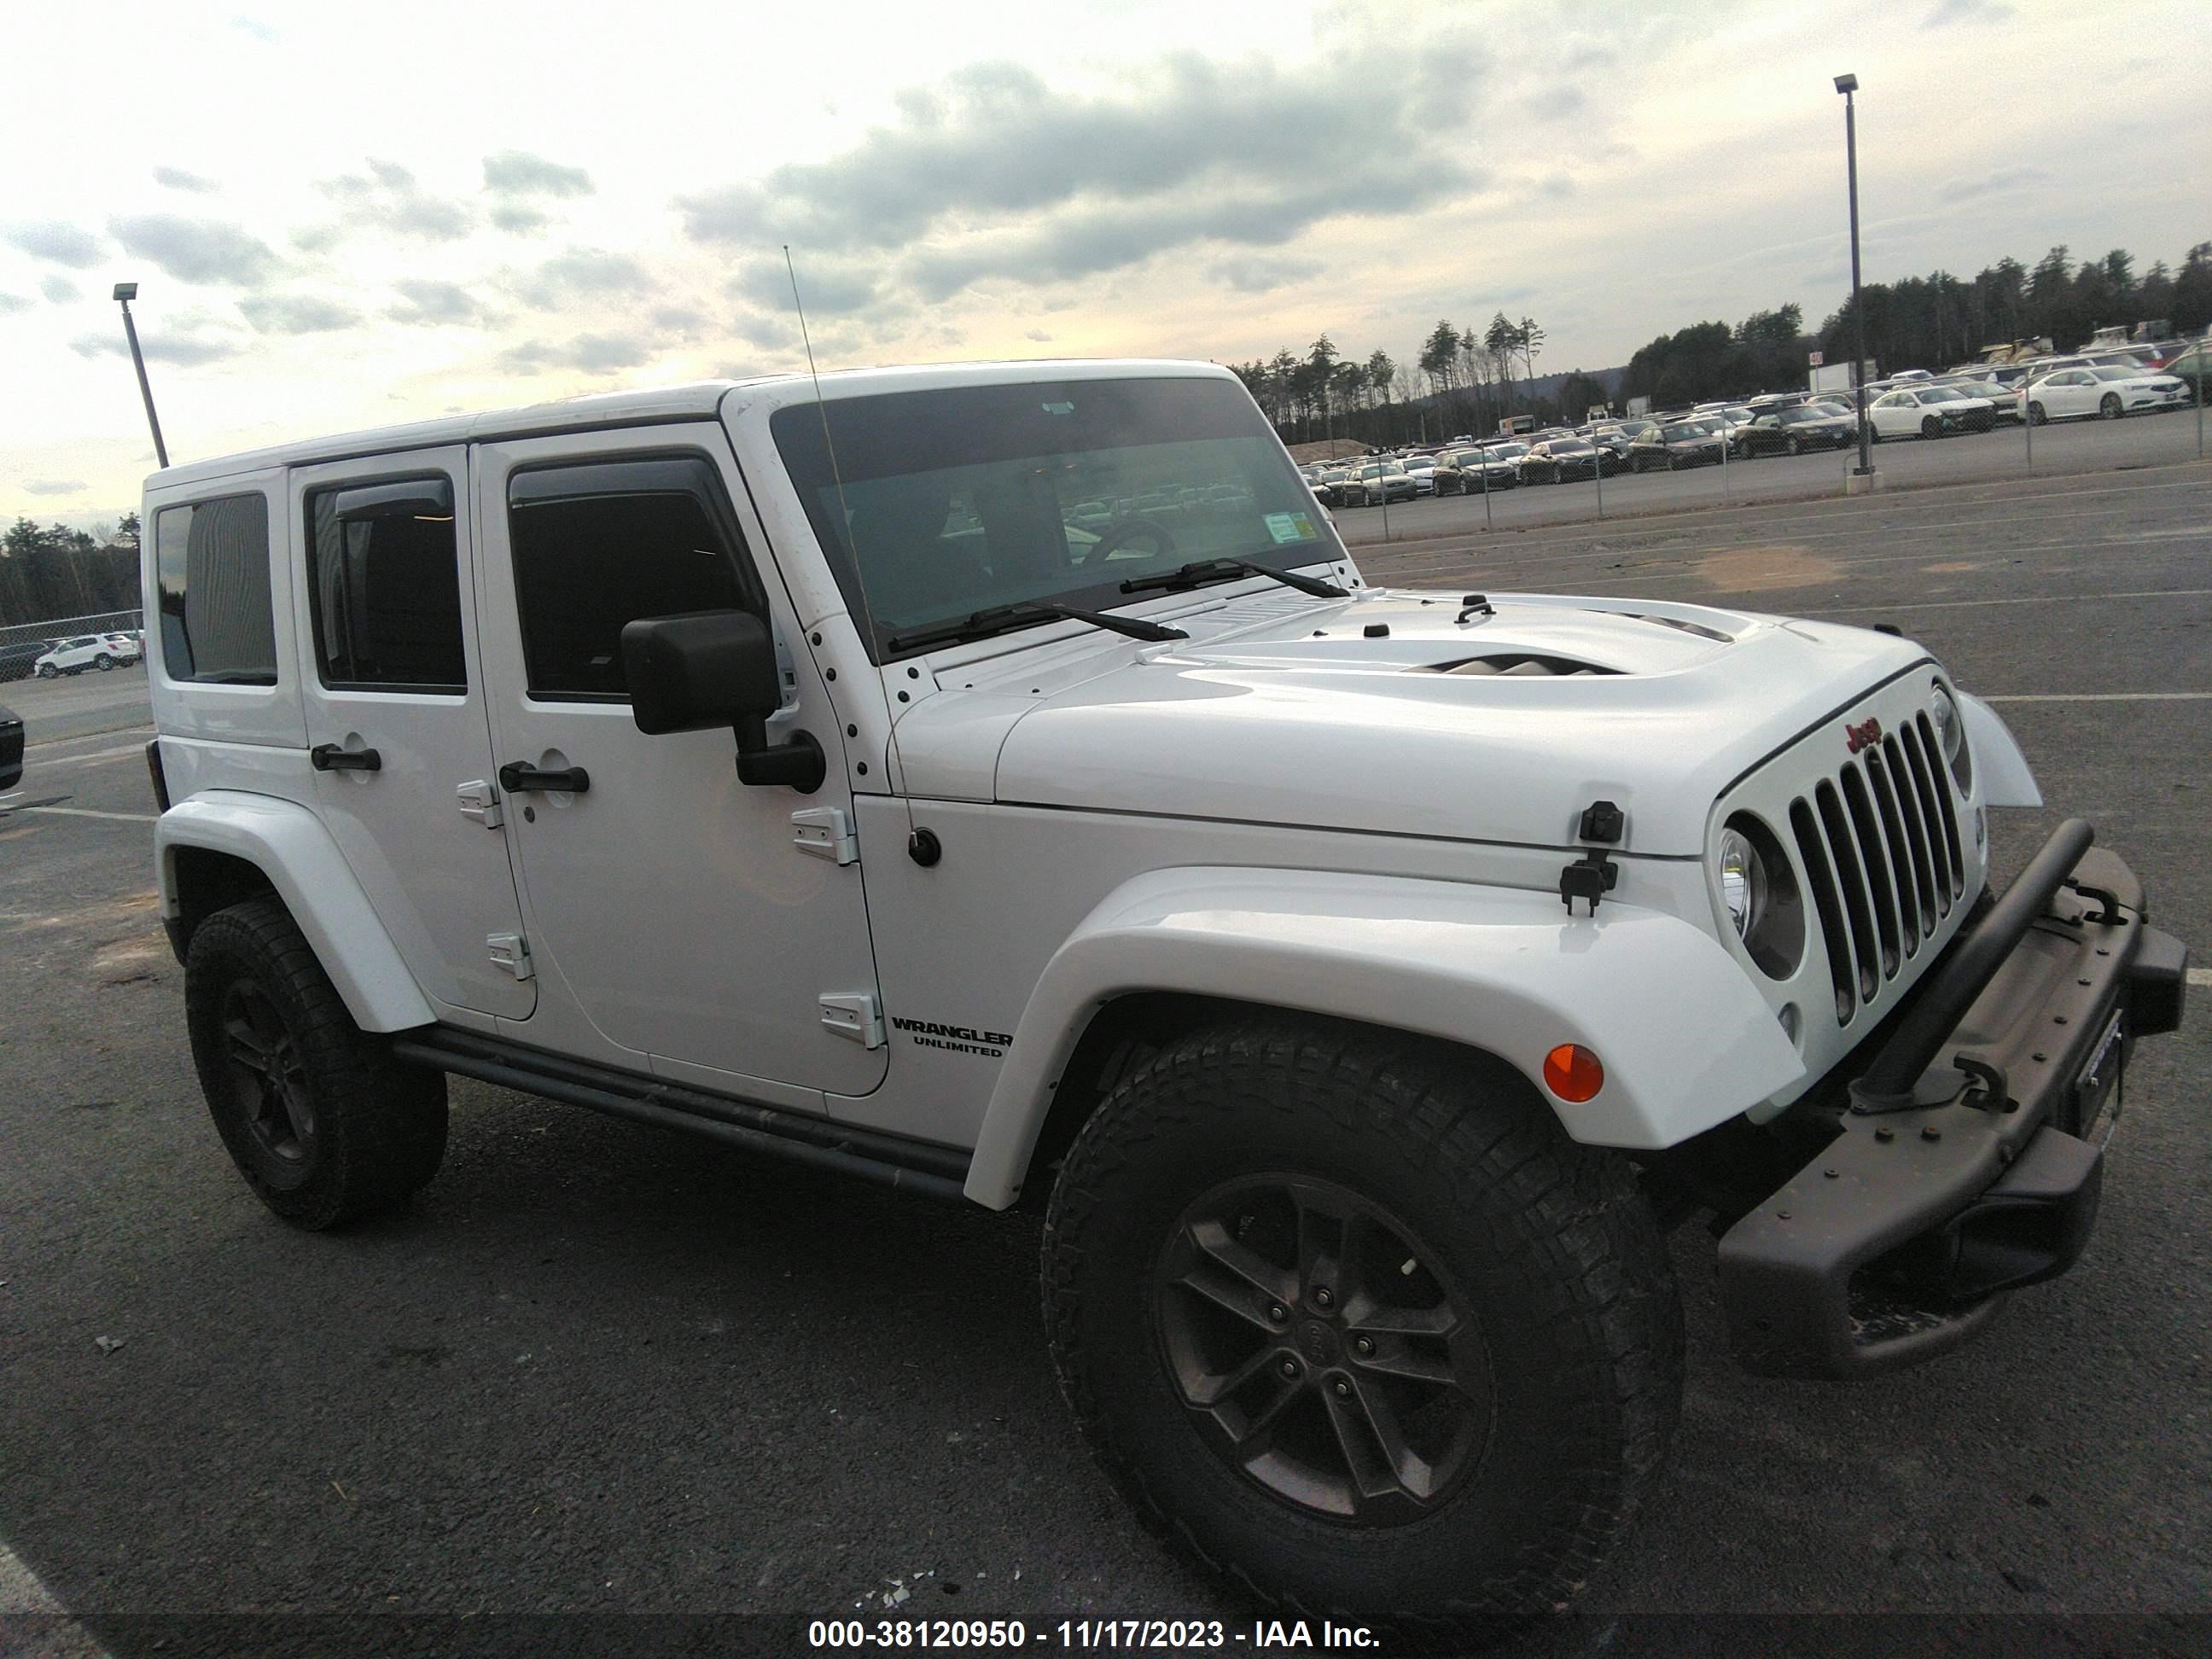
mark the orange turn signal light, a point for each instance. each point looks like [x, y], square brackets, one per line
[1573, 1072]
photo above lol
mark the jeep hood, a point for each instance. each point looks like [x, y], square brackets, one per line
[1388, 713]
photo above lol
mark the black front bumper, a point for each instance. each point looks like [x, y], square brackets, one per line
[1973, 1167]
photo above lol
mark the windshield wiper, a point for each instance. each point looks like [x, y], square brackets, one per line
[1003, 618]
[1200, 572]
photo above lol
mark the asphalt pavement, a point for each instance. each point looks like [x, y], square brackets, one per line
[603, 1373]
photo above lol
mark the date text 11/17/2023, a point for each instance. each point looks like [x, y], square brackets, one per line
[1090, 1635]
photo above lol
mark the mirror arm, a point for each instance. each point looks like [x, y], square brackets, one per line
[798, 762]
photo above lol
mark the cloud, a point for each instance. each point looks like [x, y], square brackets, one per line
[184, 349]
[518, 172]
[1250, 273]
[1039, 336]
[296, 313]
[196, 250]
[265, 32]
[1965, 11]
[594, 354]
[12, 303]
[178, 179]
[831, 288]
[518, 217]
[432, 304]
[388, 198]
[59, 290]
[57, 243]
[580, 273]
[1965, 190]
[54, 486]
[993, 172]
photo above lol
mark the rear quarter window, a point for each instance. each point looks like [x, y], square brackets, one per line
[211, 562]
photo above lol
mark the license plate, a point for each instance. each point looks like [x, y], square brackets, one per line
[2098, 1083]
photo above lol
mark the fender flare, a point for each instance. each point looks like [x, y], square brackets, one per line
[2007, 779]
[1686, 1039]
[289, 844]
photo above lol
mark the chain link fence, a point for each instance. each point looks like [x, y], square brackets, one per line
[2069, 416]
[22, 644]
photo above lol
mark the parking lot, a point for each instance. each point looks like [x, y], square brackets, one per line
[2062, 449]
[598, 1371]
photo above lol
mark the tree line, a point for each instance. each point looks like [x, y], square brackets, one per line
[1461, 381]
[1939, 319]
[57, 572]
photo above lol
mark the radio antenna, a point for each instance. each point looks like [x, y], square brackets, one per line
[823, 409]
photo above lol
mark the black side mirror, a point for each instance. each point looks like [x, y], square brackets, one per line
[711, 668]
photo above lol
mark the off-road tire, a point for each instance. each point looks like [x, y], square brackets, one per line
[379, 1128]
[1558, 1256]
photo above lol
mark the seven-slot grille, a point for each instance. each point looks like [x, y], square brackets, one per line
[1880, 843]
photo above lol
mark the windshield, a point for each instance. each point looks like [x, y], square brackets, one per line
[1941, 394]
[966, 497]
[2116, 374]
[1675, 434]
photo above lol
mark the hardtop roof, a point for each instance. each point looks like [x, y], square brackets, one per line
[693, 400]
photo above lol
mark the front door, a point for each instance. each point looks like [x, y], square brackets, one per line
[677, 905]
[385, 605]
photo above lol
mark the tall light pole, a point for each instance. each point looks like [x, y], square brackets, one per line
[124, 293]
[1848, 84]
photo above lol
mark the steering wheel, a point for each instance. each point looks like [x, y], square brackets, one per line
[1125, 529]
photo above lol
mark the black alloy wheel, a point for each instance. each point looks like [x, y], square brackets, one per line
[1309, 1333]
[270, 1093]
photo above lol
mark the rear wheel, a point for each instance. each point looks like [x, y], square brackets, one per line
[324, 1125]
[1349, 1320]
[2109, 406]
[1796, 446]
[2035, 415]
[103, 662]
[48, 670]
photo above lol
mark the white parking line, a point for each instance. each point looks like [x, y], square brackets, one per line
[97, 757]
[87, 812]
[2200, 975]
[52, 1631]
[2104, 696]
[2036, 598]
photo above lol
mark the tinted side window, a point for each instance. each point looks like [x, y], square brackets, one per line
[212, 561]
[384, 586]
[599, 546]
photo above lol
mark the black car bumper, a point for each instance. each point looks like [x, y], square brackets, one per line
[1977, 1172]
[11, 750]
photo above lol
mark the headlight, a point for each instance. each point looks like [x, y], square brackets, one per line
[1743, 881]
[1951, 734]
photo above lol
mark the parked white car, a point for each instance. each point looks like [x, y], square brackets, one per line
[83, 651]
[1928, 411]
[1423, 471]
[2106, 393]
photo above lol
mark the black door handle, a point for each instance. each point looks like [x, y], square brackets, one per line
[329, 757]
[515, 777]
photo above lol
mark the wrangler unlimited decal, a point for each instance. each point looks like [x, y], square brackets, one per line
[966, 1039]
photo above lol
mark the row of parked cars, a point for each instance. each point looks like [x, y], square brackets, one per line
[1916, 403]
[72, 654]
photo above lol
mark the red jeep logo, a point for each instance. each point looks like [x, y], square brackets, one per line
[1861, 736]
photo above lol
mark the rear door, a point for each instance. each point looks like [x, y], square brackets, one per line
[383, 591]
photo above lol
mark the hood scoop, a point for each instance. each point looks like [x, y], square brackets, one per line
[1520, 665]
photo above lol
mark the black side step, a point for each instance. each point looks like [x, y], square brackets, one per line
[907, 1166]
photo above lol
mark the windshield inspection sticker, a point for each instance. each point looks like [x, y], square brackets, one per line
[1290, 527]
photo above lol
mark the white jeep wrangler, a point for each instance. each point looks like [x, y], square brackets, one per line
[998, 781]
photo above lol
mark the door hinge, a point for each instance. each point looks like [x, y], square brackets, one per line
[856, 1017]
[480, 801]
[827, 833]
[510, 952]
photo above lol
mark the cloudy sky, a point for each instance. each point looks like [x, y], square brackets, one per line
[343, 216]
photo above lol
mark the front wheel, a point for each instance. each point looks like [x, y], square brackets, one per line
[320, 1120]
[1796, 446]
[2109, 407]
[48, 670]
[1350, 1321]
[1931, 427]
